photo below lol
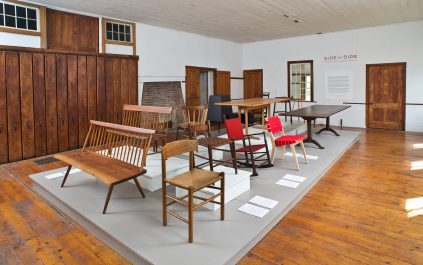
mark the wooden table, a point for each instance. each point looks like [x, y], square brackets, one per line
[252, 104]
[317, 111]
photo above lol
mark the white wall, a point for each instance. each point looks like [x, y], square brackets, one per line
[164, 53]
[392, 43]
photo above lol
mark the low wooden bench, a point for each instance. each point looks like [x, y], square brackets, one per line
[112, 153]
[149, 117]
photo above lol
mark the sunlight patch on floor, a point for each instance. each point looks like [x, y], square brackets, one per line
[414, 207]
[417, 165]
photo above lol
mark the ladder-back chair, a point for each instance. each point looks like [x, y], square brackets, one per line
[195, 121]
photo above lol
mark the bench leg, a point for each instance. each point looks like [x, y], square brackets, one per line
[139, 187]
[109, 194]
[66, 175]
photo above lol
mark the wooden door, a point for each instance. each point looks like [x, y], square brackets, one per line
[192, 86]
[385, 96]
[223, 83]
[253, 83]
[4, 154]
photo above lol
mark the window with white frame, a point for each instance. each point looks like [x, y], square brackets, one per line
[116, 31]
[17, 16]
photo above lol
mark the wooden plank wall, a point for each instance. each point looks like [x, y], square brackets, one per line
[47, 99]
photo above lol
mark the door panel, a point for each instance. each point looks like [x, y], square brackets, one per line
[73, 102]
[82, 99]
[40, 106]
[385, 106]
[51, 103]
[62, 103]
[223, 83]
[192, 86]
[253, 83]
[3, 111]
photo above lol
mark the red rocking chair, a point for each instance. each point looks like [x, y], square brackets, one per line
[274, 126]
[236, 133]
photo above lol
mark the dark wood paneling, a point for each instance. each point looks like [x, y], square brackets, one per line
[3, 111]
[40, 105]
[51, 103]
[62, 103]
[117, 98]
[27, 105]
[223, 83]
[47, 99]
[82, 99]
[124, 84]
[133, 82]
[92, 87]
[13, 106]
[109, 89]
[73, 102]
[101, 90]
[72, 32]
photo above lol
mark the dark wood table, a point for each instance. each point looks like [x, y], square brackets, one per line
[313, 112]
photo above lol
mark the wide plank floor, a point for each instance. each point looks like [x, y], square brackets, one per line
[367, 209]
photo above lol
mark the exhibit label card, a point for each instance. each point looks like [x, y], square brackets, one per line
[265, 202]
[294, 178]
[253, 210]
[288, 183]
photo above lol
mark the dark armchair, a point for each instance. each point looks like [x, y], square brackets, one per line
[217, 113]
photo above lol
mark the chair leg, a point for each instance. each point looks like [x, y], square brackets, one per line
[304, 152]
[273, 154]
[177, 133]
[222, 197]
[190, 214]
[109, 194]
[283, 151]
[209, 149]
[139, 187]
[233, 154]
[295, 155]
[66, 175]
[164, 202]
[253, 163]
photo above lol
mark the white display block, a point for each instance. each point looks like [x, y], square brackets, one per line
[152, 180]
[235, 185]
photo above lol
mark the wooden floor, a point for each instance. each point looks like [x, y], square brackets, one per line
[361, 211]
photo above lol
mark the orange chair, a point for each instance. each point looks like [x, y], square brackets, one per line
[278, 137]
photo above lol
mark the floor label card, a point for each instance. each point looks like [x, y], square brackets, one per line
[253, 210]
[265, 202]
[293, 178]
[288, 183]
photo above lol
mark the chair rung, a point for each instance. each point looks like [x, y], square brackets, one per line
[177, 200]
[207, 201]
[177, 216]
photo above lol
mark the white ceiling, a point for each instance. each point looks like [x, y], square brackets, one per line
[253, 20]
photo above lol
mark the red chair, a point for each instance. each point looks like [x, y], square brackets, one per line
[274, 126]
[236, 133]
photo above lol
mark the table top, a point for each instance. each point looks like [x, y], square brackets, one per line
[252, 102]
[316, 111]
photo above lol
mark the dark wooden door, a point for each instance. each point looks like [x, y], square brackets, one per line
[223, 83]
[385, 96]
[253, 83]
[192, 86]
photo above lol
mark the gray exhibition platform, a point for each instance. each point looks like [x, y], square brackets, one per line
[133, 225]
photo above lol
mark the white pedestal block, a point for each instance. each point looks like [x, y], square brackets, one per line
[152, 180]
[235, 185]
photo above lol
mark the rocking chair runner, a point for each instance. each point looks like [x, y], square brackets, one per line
[236, 133]
[274, 126]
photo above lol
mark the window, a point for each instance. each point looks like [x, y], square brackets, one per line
[300, 80]
[17, 16]
[118, 32]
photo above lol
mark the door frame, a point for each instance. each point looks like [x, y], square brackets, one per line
[404, 71]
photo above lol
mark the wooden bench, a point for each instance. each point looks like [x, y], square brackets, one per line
[149, 117]
[112, 153]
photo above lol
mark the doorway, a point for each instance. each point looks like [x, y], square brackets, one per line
[199, 84]
[253, 83]
[385, 96]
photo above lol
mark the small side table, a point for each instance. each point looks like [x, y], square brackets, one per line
[212, 143]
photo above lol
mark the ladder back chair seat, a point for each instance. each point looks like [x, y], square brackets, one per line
[149, 117]
[193, 180]
[236, 133]
[279, 139]
[194, 121]
[112, 153]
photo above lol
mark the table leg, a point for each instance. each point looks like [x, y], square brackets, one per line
[328, 128]
[309, 135]
[246, 121]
